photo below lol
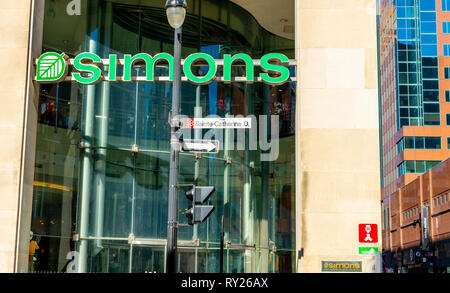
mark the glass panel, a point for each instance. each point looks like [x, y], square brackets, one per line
[420, 167]
[432, 164]
[111, 207]
[409, 142]
[410, 167]
[431, 108]
[432, 119]
[432, 142]
[152, 185]
[186, 260]
[111, 257]
[148, 259]
[420, 142]
[426, 5]
[431, 96]
[208, 260]
[428, 27]
[430, 72]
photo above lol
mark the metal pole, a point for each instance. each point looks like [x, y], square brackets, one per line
[86, 153]
[101, 132]
[197, 135]
[222, 242]
[172, 221]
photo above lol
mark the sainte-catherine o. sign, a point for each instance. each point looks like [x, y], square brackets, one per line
[89, 68]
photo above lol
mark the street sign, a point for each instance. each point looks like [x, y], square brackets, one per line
[216, 123]
[368, 250]
[199, 146]
[368, 233]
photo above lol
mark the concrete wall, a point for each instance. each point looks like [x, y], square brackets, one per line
[338, 184]
[18, 119]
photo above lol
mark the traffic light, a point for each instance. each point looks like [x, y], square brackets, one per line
[199, 195]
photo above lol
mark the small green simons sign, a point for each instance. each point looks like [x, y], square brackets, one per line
[342, 266]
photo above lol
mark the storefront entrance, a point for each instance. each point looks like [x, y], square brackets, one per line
[101, 176]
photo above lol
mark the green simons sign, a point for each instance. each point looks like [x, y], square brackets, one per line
[89, 68]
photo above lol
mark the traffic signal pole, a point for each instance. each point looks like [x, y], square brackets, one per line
[172, 221]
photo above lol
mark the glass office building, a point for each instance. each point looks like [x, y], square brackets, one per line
[102, 152]
[413, 38]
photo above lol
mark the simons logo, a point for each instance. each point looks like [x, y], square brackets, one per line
[89, 68]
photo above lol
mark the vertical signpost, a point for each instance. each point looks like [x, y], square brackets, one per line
[174, 9]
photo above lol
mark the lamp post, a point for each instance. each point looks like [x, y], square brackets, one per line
[176, 12]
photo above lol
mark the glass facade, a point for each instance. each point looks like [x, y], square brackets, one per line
[102, 157]
[413, 74]
[417, 63]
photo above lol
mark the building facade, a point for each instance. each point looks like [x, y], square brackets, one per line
[416, 231]
[414, 91]
[85, 170]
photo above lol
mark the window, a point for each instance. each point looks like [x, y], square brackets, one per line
[416, 166]
[431, 84]
[445, 5]
[420, 167]
[446, 50]
[448, 119]
[419, 143]
[428, 16]
[431, 96]
[428, 39]
[448, 143]
[431, 164]
[431, 108]
[409, 142]
[447, 96]
[432, 119]
[426, 5]
[388, 218]
[432, 142]
[447, 72]
[428, 27]
[446, 27]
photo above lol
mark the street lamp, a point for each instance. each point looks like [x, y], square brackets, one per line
[176, 12]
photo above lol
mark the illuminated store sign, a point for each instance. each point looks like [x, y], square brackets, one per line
[89, 68]
[341, 266]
